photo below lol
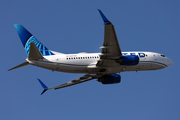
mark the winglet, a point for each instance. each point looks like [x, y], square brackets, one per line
[44, 86]
[106, 21]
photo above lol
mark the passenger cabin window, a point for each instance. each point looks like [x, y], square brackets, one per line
[90, 57]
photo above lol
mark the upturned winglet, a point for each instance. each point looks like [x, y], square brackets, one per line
[44, 86]
[106, 21]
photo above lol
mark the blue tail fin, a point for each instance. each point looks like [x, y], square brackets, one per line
[26, 38]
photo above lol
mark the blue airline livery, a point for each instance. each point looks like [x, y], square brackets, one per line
[104, 66]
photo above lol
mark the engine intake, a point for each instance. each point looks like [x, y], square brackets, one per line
[110, 79]
[128, 60]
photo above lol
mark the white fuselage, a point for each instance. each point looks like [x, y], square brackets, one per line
[86, 63]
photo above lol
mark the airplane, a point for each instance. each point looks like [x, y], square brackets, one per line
[105, 66]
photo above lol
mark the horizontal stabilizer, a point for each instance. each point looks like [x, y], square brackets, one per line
[21, 65]
[34, 53]
[44, 86]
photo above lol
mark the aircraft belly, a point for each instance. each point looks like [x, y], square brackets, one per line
[60, 67]
[71, 68]
[46, 65]
[145, 65]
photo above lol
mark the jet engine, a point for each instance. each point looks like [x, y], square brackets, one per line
[128, 60]
[110, 79]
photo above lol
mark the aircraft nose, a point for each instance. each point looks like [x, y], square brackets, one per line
[169, 62]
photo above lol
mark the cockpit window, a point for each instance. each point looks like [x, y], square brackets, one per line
[142, 55]
[162, 55]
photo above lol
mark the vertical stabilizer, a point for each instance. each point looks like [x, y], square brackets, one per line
[26, 39]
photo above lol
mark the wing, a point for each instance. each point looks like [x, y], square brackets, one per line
[110, 49]
[82, 79]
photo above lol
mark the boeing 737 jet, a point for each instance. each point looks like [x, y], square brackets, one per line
[104, 66]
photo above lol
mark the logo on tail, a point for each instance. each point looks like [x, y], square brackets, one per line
[26, 39]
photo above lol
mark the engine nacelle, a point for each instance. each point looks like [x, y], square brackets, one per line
[128, 60]
[110, 79]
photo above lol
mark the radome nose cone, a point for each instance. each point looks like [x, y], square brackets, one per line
[170, 62]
